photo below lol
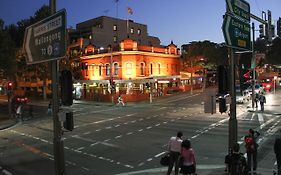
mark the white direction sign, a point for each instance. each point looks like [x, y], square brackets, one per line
[46, 39]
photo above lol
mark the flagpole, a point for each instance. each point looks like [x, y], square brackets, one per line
[117, 21]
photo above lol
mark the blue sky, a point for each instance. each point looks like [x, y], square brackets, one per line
[179, 20]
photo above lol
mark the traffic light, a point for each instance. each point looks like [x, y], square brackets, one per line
[279, 27]
[10, 86]
[66, 88]
[68, 123]
[262, 31]
[222, 105]
[222, 79]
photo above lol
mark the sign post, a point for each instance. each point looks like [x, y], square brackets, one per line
[236, 29]
[46, 41]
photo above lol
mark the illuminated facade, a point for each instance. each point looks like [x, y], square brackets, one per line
[131, 69]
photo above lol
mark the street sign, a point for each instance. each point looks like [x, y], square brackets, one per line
[46, 39]
[236, 33]
[240, 8]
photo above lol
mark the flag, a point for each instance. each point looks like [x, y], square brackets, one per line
[130, 10]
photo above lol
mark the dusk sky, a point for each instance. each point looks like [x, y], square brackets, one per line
[179, 20]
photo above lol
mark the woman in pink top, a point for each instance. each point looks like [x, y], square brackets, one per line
[189, 163]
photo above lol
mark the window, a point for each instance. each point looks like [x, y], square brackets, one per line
[100, 70]
[129, 68]
[115, 39]
[115, 68]
[159, 68]
[139, 31]
[107, 68]
[115, 27]
[132, 30]
[142, 68]
[151, 68]
[93, 69]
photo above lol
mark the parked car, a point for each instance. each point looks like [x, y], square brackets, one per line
[243, 97]
[267, 84]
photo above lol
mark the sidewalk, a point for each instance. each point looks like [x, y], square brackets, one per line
[6, 121]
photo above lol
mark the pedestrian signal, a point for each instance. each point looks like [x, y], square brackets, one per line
[68, 124]
[66, 88]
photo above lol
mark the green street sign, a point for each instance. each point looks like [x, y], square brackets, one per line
[236, 33]
[240, 9]
[46, 39]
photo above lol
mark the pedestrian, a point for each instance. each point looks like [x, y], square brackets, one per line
[262, 100]
[49, 110]
[174, 148]
[251, 149]
[277, 151]
[256, 99]
[237, 164]
[18, 112]
[120, 100]
[188, 158]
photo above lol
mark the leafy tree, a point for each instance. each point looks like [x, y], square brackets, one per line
[273, 56]
[7, 51]
[198, 57]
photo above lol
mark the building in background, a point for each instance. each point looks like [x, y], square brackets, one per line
[131, 69]
[103, 31]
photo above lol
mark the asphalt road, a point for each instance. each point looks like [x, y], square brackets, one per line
[111, 139]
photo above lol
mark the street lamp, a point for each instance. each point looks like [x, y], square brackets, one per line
[110, 74]
[274, 81]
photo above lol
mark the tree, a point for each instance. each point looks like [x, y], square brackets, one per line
[7, 52]
[273, 56]
[199, 57]
[11, 51]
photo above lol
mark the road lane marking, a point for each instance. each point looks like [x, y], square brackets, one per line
[261, 119]
[158, 155]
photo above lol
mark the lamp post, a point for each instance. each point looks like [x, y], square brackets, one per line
[110, 74]
[274, 81]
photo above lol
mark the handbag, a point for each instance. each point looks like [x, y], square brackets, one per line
[181, 160]
[164, 161]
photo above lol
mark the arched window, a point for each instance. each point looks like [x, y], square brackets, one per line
[129, 68]
[115, 68]
[142, 69]
[107, 69]
[159, 68]
[151, 68]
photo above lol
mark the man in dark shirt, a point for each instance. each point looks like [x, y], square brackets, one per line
[277, 151]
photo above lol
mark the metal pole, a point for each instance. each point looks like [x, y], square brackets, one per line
[253, 67]
[232, 118]
[111, 77]
[57, 142]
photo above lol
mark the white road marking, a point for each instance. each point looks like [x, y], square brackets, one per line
[261, 119]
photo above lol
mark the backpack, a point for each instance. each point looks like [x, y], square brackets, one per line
[249, 143]
[238, 165]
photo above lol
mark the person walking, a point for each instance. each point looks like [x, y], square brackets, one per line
[120, 101]
[256, 99]
[174, 148]
[188, 158]
[49, 110]
[262, 100]
[237, 164]
[277, 151]
[251, 149]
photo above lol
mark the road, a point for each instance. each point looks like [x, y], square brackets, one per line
[111, 139]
